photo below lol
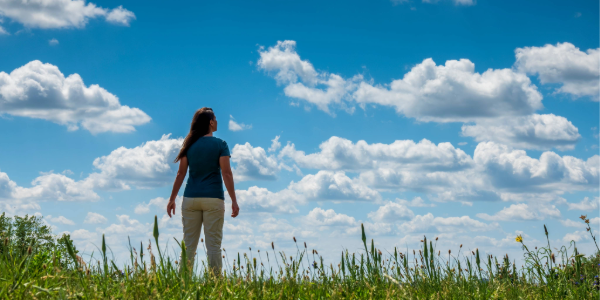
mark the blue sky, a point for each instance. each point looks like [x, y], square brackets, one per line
[485, 112]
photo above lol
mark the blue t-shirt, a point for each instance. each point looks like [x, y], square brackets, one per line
[205, 178]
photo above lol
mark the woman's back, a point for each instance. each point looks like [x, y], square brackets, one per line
[205, 178]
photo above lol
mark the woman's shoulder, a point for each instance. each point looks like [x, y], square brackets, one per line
[218, 140]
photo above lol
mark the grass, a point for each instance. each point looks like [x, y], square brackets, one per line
[34, 266]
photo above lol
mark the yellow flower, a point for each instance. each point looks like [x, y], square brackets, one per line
[519, 239]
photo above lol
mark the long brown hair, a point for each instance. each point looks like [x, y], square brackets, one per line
[200, 127]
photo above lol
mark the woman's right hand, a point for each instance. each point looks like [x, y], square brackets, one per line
[235, 209]
[171, 207]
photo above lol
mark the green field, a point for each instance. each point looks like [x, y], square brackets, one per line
[34, 264]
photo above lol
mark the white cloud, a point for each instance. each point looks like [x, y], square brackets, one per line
[60, 13]
[429, 223]
[529, 132]
[275, 144]
[342, 154]
[53, 42]
[146, 166]
[253, 163]
[94, 218]
[3, 31]
[126, 226]
[321, 217]
[41, 91]
[447, 93]
[578, 72]
[576, 236]
[61, 220]
[120, 16]
[586, 204]
[523, 212]
[234, 126]
[391, 212]
[328, 185]
[571, 223]
[501, 102]
[158, 203]
[256, 199]
[454, 93]
[415, 202]
[513, 170]
[47, 186]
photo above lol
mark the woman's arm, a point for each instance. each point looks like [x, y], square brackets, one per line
[183, 167]
[228, 179]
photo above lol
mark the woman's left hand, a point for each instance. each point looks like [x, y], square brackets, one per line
[171, 207]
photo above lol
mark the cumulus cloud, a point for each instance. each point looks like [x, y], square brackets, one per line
[523, 212]
[415, 202]
[328, 185]
[275, 144]
[253, 163]
[120, 16]
[321, 217]
[61, 220]
[391, 212]
[528, 132]
[48, 14]
[235, 126]
[41, 91]
[585, 204]
[323, 186]
[500, 102]
[146, 166]
[53, 42]
[571, 223]
[429, 223]
[454, 92]
[256, 199]
[513, 170]
[341, 154]
[446, 93]
[126, 226]
[94, 218]
[576, 71]
[158, 203]
[47, 186]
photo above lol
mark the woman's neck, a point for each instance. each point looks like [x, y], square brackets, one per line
[209, 134]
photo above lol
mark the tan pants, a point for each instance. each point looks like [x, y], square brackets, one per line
[209, 212]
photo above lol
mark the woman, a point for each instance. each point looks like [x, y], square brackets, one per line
[203, 197]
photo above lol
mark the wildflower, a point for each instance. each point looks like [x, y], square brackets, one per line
[436, 238]
[553, 259]
[294, 239]
[449, 251]
[519, 239]
[201, 240]
[223, 256]
[273, 245]
[583, 217]
[587, 221]
[460, 245]
[305, 245]
[250, 248]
